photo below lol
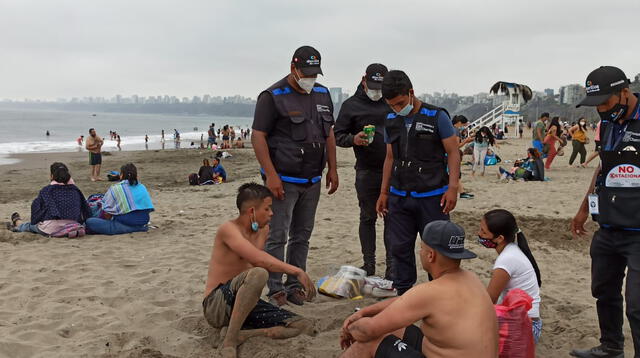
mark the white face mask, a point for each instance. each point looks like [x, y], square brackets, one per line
[374, 95]
[305, 83]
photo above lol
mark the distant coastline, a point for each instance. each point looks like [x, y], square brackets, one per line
[188, 109]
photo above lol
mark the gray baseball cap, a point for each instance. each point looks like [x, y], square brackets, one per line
[447, 238]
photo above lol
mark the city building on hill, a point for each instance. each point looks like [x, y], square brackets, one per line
[571, 94]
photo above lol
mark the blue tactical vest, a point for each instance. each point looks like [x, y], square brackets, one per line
[300, 156]
[618, 184]
[419, 158]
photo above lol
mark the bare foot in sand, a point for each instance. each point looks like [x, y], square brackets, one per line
[242, 335]
[93, 179]
[99, 179]
[229, 352]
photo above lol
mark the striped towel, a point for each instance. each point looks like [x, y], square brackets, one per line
[122, 198]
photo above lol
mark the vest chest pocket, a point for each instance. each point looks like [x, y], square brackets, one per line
[288, 159]
[619, 207]
[425, 131]
[425, 141]
[298, 129]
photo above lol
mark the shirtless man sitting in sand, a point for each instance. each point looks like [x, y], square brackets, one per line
[238, 271]
[458, 318]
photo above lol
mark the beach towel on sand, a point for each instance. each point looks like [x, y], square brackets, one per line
[123, 198]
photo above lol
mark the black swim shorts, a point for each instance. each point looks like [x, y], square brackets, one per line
[410, 346]
[217, 307]
[95, 158]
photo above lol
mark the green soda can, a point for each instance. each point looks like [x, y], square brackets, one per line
[370, 131]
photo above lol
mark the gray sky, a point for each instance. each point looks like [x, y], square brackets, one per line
[51, 49]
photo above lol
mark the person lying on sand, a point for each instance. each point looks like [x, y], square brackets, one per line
[458, 317]
[238, 271]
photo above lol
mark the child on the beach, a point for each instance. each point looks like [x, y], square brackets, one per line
[238, 271]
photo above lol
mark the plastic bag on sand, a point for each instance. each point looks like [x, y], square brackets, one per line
[514, 326]
[347, 283]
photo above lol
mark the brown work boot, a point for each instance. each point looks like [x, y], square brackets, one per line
[278, 299]
[296, 296]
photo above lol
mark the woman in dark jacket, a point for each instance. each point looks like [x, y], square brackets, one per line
[205, 174]
[58, 204]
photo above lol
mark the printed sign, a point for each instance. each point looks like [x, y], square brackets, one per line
[623, 176]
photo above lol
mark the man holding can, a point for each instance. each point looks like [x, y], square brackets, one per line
[360, 125]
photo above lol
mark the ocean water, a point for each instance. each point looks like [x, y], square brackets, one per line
[24, 131]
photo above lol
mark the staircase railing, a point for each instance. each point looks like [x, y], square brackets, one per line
[489, 118]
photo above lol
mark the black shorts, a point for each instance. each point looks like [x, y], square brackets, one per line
[95, 159]
[410, 346]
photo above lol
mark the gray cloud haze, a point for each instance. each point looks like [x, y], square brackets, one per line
[51, 49]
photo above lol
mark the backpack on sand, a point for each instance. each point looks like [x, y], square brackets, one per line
[95, 205]
[193, 179]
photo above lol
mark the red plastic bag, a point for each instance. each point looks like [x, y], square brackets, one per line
[514, 326]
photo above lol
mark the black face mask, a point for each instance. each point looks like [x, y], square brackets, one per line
[617, 112]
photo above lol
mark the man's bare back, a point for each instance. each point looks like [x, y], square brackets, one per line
[226, 264]
[461, 320]
[457, 314]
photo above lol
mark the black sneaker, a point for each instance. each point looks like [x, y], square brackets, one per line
[600, 351]
[296, 296]
[370, 269]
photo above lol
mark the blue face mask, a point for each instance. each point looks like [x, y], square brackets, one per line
[254, 224]
[406, 110]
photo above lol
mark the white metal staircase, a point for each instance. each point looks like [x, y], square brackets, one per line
[489, 118]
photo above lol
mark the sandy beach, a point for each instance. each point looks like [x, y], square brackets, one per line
[140, 295]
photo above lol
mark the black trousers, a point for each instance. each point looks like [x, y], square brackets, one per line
[368, 184]
[578, 148]
[613, 251]
[406, 219]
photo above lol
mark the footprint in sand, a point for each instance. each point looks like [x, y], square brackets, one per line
[569, 311]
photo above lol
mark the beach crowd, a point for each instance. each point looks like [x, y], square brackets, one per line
[407, 175]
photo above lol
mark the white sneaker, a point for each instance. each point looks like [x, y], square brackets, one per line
[382, 293]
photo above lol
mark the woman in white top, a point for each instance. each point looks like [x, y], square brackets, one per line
[515, 266]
